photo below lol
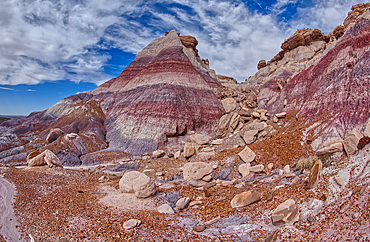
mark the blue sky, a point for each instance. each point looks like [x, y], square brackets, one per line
[51, 49]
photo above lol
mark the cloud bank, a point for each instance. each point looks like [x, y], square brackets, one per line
[50, 40]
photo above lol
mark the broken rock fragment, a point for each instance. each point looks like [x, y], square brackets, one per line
[165, 208]
[350, 143]
[197, 173]
[158, 153]
[315, 174]
[286, 213]
[189, 149]
[130, 224]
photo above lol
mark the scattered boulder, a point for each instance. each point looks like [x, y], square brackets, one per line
[165, 208]
[339, 180]
[229, 104]
[245, 199]
[45, 158]
[177, 154]
[330, 147]
[315, 174]
[132, 223]
[138, 183]
[261, 64]
[286, 169]
[196, 173]
[199, 228]
[189, 149]
[286, 213]
[250, 136]
[350, 143]
[199, 139]
[158, 153]
[54, 134]
[280, 115]
[257, 168]
[247, 155]
[244, 169]
[182, 203]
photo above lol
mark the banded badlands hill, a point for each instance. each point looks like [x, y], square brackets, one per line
[171, 151]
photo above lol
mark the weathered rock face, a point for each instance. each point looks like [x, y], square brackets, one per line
[334, 92]
[164, 93]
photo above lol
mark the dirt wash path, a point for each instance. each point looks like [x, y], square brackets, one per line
[8, 231]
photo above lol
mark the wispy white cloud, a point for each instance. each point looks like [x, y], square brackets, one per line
[324, 15]
[31, 90]
[6, 88]
[46, 40]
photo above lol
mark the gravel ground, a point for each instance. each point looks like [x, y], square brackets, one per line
[71, 205]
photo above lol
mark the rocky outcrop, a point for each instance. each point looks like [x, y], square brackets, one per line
[165, 92]
[300, 51]
[261, 64]
[333, 93]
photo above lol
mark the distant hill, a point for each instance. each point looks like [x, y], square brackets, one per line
[7, 117]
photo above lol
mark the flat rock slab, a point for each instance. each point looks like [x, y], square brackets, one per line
[165, 208]
[247, 155]
[244, 169]
[245, 199]
[199, 139]
[250, 136]
[158, 153]
[229, 104]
